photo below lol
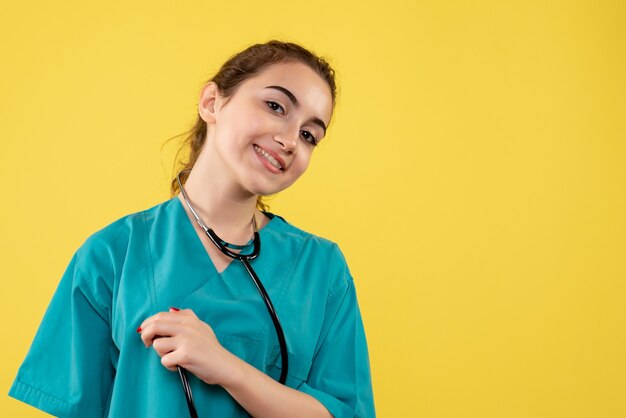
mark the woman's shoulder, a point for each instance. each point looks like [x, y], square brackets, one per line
[323, 250]
[282, 226]
[116, 237]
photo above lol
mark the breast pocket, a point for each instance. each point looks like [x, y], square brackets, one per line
[298, 368]
[247, 349]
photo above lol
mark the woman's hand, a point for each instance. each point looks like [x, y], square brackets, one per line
[181, 339]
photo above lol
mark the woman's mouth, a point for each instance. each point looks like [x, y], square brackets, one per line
[273, 161]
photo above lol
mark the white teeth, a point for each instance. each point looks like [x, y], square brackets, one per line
[268, 157]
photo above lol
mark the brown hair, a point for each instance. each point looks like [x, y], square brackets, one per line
[238, 69]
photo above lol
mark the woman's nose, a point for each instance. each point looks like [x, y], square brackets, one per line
[287, 141]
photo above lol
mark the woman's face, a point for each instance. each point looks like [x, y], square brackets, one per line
[265, 132]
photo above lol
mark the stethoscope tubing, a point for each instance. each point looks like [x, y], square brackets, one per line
[182, 372]
[279, 329]
[245, 260]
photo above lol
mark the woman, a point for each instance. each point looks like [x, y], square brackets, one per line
[157, 273]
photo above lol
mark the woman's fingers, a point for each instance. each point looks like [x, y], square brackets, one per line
[178, 357]
[171, 354]
[180, 338]
[163, 324]
[164, 345]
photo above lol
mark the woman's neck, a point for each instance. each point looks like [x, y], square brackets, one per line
[221, 204]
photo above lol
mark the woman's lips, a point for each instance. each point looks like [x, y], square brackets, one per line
[271, 161]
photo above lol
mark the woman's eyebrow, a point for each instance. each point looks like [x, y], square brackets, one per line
[319, 122]
[293, 99]
[286, 92]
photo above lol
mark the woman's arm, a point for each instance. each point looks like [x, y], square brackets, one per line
[181, 338]
[262, 396]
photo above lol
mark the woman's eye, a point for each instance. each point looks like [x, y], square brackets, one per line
[308, 137]
[275, 107]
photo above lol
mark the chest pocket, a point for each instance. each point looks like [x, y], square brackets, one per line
[252, 351]
[299, 367]
[248, 349]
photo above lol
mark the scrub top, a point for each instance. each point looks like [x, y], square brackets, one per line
[87, 359]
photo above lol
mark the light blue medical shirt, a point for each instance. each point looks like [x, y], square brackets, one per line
[87, 359]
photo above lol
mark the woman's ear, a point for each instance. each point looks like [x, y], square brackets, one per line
[208, 102]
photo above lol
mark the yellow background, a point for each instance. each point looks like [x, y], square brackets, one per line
[474, 176]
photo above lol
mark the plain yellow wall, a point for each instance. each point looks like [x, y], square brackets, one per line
[475, 177]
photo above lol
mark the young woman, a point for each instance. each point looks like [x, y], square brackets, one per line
[153, 292]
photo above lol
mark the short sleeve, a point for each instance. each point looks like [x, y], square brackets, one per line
[340, 375]
[68, 370]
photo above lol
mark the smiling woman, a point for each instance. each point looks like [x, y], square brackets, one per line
[264, 134]
[246, 64]
[166, 274]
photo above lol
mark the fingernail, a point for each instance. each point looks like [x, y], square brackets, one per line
[139, 329]
[174, 309]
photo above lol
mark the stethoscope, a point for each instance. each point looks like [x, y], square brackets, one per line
[225, 248]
